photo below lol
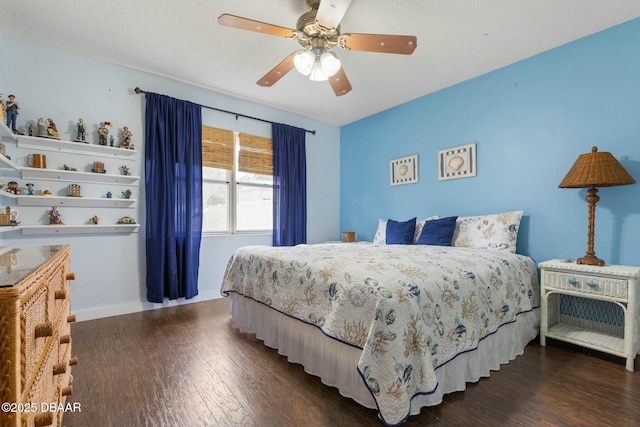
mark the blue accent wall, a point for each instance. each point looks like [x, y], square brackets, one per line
[530, 121]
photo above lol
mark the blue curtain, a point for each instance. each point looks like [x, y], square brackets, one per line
[173, 187]
[289, 185]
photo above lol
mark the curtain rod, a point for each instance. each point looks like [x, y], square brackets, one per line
[313, 132]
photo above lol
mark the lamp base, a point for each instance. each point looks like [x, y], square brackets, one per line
[590, 260]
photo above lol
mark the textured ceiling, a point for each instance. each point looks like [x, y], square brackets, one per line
[181, 39]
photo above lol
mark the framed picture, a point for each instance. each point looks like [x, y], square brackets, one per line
[457, 162]
[403, 170]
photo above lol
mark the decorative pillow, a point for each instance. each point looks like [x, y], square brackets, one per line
[497, 231]
[380, 237]
[400, 233]
[438, 231]
[420, 224]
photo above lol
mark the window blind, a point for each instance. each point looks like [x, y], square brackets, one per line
[256, 155]
[217, 148]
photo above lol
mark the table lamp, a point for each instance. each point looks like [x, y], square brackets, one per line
[592, 170]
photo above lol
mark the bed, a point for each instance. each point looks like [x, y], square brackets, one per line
[394, 327]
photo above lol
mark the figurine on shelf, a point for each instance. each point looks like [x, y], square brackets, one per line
[125, 170]
[31, 129]
[46, 192]
[9, 217]
[81, 129]
[109, 195]
[11, 110]
[12, 187]
[73, 190]
[112, 141]
[126, 194]
[103, 132]
[30, 190]
[54, 217]
[69, 168]
[126, 138]
[94, 220]
[126, 220]
[98, 167]
[42, 127]
[52, 130]
[2, 107]
[3, 151]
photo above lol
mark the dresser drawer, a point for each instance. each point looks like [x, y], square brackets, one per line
[58, 291]
[43, 388]
[37, 331]
[612, 287]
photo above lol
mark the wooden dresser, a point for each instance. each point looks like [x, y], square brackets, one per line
[35, 337]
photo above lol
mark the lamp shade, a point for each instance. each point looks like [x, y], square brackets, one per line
[596, 169]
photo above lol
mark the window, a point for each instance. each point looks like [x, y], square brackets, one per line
[237, 185]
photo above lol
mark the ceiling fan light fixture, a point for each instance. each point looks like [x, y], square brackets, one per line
[317, 73]
[330, 63]
[304, 62]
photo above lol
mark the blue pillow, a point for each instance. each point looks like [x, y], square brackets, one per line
[438, 231]
[400, 233]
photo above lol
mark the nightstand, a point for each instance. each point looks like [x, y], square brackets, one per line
[590, 306]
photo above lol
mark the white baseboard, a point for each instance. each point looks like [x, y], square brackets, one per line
[118, 310]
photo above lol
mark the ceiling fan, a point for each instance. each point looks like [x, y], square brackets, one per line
[318, 31]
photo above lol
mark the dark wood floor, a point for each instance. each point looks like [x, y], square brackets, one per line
[187, 366]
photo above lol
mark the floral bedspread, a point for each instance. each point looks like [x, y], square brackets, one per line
[411, 308]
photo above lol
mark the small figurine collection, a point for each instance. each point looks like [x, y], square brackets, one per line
[55, 218]
[42, 128]
[73, 190]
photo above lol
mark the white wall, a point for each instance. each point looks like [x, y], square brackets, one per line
[110, 269]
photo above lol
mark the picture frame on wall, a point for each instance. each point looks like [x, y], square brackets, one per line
[457, 162]
[403, 170]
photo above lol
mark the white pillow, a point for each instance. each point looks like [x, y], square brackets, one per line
[380, 238]
[497, 231]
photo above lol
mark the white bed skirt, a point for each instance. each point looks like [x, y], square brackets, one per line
[336, 363]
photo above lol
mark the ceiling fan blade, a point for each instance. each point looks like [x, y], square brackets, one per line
[277, 72]
[340, 83]
[257, 26]
[383, 43]
[330, 13]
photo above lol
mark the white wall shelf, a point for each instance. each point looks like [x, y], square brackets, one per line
[6, 163]
[79, 229]
[75, 176]
[90, 202]
[68, 175]
[5, 131]
[70, 150]
[5, 228]
[59, 145]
